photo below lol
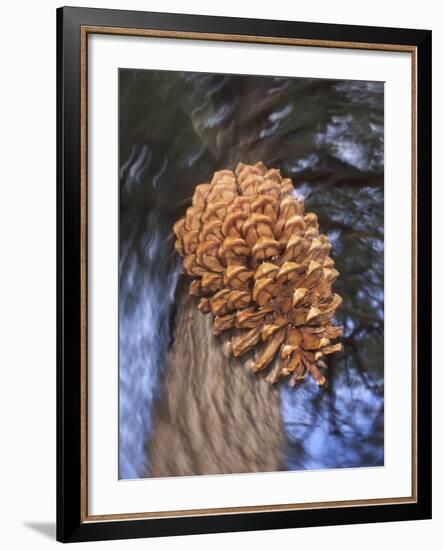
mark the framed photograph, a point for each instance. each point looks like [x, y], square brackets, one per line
[244, 274]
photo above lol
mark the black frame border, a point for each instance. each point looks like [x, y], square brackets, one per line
[70, 524]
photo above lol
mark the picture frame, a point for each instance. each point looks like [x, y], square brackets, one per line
[74, 211]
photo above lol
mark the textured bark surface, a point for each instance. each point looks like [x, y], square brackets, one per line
[215, 416]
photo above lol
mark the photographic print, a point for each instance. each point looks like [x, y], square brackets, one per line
[243, 275]
[251, 274]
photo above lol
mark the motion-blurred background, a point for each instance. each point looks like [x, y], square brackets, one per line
[176, 129]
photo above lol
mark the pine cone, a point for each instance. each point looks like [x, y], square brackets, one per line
[261, 267]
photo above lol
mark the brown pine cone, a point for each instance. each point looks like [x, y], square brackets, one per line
[261, 267]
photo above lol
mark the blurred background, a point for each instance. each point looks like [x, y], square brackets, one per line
[176, 129]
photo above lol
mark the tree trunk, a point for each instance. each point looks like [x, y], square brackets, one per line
[215, 416]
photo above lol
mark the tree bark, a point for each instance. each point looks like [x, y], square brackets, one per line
[214, 416]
